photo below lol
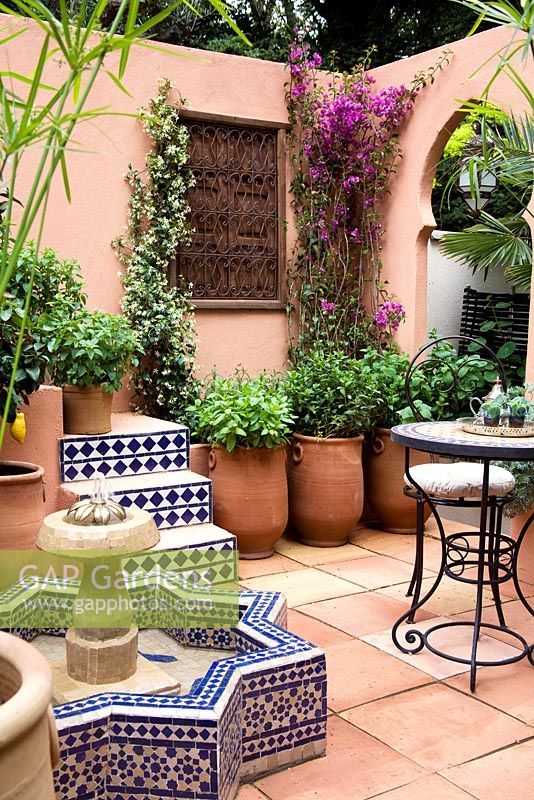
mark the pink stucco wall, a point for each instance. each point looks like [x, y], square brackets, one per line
[221, 84]
[244, 87]
[408, 213]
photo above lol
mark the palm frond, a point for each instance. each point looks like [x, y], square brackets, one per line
[491, 244]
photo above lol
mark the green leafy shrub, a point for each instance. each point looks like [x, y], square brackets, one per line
[523, 472]
[91, 349]
[57, 289]
[389, 370]
[242, 412]
[445, 382]
[331, 395]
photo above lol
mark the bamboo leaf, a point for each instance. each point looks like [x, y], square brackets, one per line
[65, 176]
[117, 82]
[131, 19]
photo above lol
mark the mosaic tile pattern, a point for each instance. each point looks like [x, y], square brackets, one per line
[172, 506]
[252, 713]
[115, 455]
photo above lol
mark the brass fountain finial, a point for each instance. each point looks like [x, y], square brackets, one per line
[98, 509]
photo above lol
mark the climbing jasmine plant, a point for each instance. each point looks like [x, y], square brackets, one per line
[344, 149]
[164, 384]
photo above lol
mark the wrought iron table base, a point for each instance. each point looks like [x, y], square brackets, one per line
[495, 557]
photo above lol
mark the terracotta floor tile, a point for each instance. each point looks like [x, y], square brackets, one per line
[506, 775]
[315, 631]
[509, 688]
[358, 673]
[252, 568]
[451, 597]
[355, 767]
[311, 556]
[450, 526]
[374, 572]
[360, 614]
[437, 727]
[517, 618]
[456, 641]
[432, 788]
[401, 546]
[303, 586]
[249, 792]
[507, 589]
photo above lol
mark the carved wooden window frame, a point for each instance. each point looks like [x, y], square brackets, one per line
[280, 131]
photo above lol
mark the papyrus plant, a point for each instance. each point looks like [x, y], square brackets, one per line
[35, 115]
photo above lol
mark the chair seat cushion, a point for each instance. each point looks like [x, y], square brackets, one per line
[462, 479]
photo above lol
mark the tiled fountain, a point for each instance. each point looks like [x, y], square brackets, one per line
[260, 709]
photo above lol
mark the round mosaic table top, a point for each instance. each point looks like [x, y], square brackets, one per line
[448, 438]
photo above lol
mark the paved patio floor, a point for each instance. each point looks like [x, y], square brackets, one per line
[400, 727]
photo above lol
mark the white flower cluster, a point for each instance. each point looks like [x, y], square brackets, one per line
[158, 219]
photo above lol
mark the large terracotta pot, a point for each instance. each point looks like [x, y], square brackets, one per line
[325, 479]
[384, 483]
[28, 736]
[22, 508]
[199, 459]
[250, 496]
[86, 409]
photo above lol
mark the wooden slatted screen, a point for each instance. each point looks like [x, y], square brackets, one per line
[509, 311]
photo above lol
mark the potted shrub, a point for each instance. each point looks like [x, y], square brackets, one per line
[56, 288]
[492, 409]
[247, 422]
[334, 404]
[519, 406]
[91, 354]
[384, 462]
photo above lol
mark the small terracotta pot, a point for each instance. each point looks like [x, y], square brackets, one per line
[22, 508]
[325, 479]
[86, 409]
[384, 483]
[250, 496]
[28, 735]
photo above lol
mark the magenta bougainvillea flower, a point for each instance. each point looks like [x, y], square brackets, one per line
[344, 148]
[390, 315]
[326, 305]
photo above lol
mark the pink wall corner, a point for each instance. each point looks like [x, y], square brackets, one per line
[408, 213]
[44, 423]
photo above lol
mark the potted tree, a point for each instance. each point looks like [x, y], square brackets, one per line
[247, 421]
[91, 354]
[56, 289]
[334, 403]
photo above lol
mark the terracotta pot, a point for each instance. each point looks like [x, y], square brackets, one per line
[22, 508]
[199, 459]
[384, 483]
[28, 736]
[250, 496]
[86, 409]
[325, 479]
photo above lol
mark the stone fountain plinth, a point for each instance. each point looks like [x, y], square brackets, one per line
[96, 655]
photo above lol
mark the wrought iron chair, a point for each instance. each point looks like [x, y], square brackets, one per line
[456, 484]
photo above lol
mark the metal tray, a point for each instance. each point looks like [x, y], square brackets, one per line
[472, 425]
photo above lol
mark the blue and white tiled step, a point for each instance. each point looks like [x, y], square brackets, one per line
[137, 445]
[145, 462]
[172, 498]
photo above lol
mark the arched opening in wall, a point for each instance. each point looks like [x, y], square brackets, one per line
[475, 281]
